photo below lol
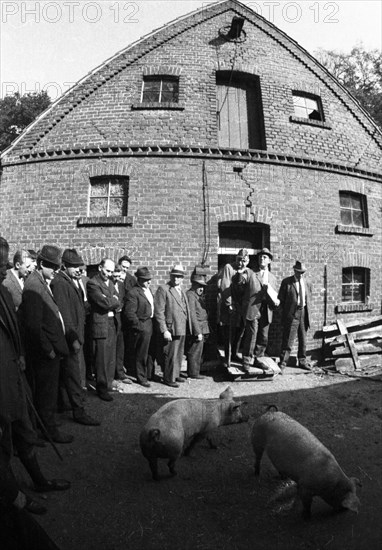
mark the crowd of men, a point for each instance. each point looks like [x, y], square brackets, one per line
[62, 332]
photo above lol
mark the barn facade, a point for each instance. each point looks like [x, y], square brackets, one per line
[214, 133]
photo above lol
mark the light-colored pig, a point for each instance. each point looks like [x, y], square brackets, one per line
[299, 455]
[175, 427]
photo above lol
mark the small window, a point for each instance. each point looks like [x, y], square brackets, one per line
[307, 106]
[160, 89]
[108, 196]
[353, 209]
[355, 281]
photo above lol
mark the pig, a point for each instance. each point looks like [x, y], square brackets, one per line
[177, 426]
[297, 454]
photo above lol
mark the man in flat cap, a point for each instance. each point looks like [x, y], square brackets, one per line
[199, 325]
[44, 337]
[295, 298]
[259, 300]
[173, 319]
[231, 285]
[68, 296]
[138, 314]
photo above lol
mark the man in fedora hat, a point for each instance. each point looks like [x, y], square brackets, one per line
[173, 319]
[138, 313]
[68, 296]
[44, 337]
[231, 286]
[295, 298]
[199, 325]
[259, 300]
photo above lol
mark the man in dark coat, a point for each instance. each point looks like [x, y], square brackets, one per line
[173, 319]
[104, 303]
[260, 298]
[120, 374]
[138, 313]
[67, 293]
[16, 429]
[199, 325]
[295, 298]
[44, 336]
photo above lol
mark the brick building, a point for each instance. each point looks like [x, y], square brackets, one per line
[215, 132]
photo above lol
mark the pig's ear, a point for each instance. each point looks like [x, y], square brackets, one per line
[356, 482]
[351, 502]
[226, 394]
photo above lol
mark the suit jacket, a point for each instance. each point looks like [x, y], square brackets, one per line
[12, 399]
[102, 300]
[137, 308]
[69, 299]
[14, 288]
[171, 312]
[256, 301]
[230, 294]
[198, 313]
[40, 318]
[288, 297]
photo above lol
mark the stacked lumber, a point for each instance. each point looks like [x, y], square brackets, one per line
[356, 346]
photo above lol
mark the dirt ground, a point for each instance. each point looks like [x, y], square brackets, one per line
[215, 502]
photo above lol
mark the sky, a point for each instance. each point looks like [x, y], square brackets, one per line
[51, 44]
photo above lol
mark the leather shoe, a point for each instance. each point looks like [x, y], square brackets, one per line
[171, 384]
[105, 396]
[145, 384]
[52, 485]
[181, 380]
[35, 507]
[198, 377]
[86, 420]
[305, 366]
[59, 437]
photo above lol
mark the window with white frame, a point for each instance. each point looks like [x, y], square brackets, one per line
[353, 209]
[108, 196]
[355, 284]
[160, 89]
[307, 106]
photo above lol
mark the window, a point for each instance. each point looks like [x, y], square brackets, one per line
[239, 111]
[160, 89]
[353, 209]
[307, 106]
[236, 235]
[355, 281]
[108, 196]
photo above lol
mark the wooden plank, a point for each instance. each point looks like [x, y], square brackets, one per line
[366, 334]
[345, 364]
[374, 346]
[350, 341]
[352, 325]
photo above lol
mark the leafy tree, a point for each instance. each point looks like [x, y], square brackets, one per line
[17, 112]
[360, 71]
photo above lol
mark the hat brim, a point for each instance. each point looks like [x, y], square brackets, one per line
[265, 254]
[177, 274]
[44, 259]
[144, 277]
[299, 270]
[201, 283]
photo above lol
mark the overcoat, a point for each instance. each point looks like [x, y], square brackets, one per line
[255, 295]
[137, 308]
[40, 317]
[69, 299]
[14, 288]
[288, 297]
[198, 313]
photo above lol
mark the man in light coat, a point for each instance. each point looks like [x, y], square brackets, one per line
[15, 278]
[173, 319]
[260, 299]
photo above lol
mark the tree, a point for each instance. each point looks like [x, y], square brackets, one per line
[360, 71]
[17, 112]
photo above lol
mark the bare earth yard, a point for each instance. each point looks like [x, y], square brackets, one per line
[215, 502]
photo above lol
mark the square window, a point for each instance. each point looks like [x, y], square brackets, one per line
[355, 283]
[353, 209]
[307, 106]
[108, 196]
[160, 89]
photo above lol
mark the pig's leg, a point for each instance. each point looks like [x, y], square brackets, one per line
[171, 466]
[191, 444]
[259, 455]
[306, 499]
[153, 462]
[211, 442]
